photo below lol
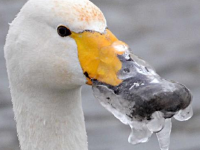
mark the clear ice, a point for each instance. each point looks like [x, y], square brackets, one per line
[185, 114]
[157, 123]
[144, 101]
[139, 133]
[164, 135]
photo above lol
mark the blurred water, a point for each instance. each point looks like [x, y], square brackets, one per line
[164, 33]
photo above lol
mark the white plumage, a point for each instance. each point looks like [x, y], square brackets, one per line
[45, 74]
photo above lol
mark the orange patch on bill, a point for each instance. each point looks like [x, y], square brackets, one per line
[98, 55]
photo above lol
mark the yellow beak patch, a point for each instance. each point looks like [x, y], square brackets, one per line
[98, 56]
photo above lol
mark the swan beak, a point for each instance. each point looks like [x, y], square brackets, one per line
[98, 55]
[125, 83]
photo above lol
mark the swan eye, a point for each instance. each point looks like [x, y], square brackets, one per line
[63, 31]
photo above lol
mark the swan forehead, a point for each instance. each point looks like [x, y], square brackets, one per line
[80, 15]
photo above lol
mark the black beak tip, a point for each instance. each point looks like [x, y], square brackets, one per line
[171, 101]
[167, 97]
[178, 100]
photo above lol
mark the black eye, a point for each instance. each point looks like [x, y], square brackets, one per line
[63, 31]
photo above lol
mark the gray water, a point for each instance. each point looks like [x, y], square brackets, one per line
[166, 33]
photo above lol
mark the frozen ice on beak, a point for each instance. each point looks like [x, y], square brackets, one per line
[144, 100]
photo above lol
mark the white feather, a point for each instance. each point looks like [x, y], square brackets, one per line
[45, 74]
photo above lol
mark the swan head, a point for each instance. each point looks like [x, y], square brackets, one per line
[63, 44]
[58, 43]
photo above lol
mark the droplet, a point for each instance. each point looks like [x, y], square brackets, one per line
[184, 115]
[164, 135]
[157, 123]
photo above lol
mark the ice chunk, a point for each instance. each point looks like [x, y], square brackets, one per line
[164, 135]
[157, 123]
[184, 115]
[139, 133]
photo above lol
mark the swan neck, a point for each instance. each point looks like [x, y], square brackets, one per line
[49, 120]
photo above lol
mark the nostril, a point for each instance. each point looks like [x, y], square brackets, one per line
[126, 70]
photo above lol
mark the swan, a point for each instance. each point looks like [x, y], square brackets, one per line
[53, 47]
[46, 52]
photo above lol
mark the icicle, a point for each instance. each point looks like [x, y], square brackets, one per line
[164, 135]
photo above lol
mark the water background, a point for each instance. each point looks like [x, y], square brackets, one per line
[166, 33]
